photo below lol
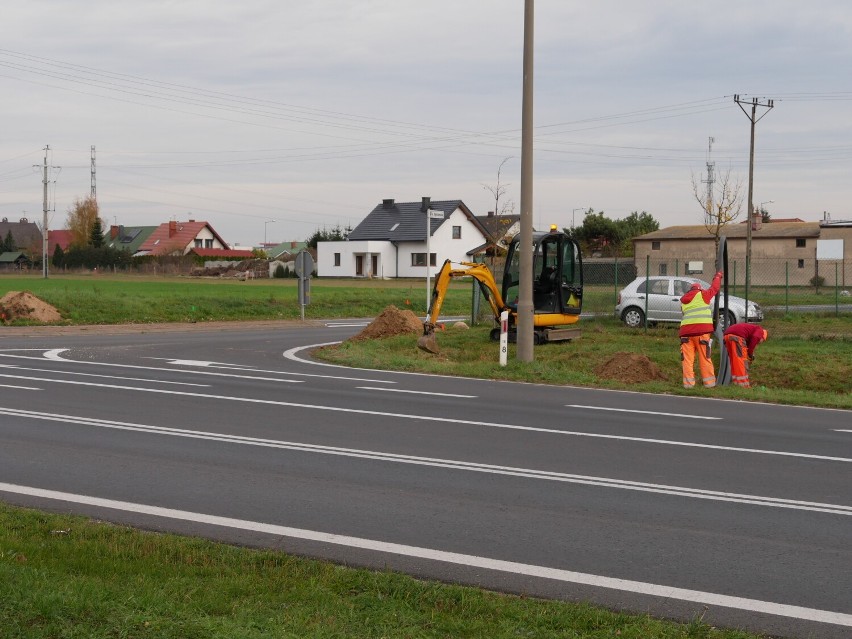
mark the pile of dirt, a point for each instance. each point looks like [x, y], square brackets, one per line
[392, 321]
[24, 305]
[630, 368]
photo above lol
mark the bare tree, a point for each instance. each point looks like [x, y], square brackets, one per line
[499, 191]
[722, 205]
[81, 220]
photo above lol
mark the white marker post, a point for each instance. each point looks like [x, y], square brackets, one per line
[504, 337]
[431, 214]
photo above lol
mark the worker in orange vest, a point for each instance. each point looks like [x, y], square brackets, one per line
[740, 342]
[696, 328]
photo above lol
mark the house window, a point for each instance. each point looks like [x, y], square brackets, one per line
[801, 263]
[664, 269]
[801, 242]
[198, 243]
[419, 259]
[456, 232]
[655, 246]
[337, 259]
[208, 243]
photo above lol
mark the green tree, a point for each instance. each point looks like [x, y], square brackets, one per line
[58, 257]
[8, 244]
[96, 238]
[611, 238]
[336, 234]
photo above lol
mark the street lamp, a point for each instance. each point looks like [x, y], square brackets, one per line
[264, 231]
[572, 216]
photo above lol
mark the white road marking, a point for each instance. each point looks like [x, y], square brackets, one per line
[131, 379]
[56, 355]
[401, 390]
[432, 554]
[20, 387]
[641, 412]
[447, 420]
[449, 464]
[346, 325]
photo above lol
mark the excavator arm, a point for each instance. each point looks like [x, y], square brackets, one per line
[481, 273]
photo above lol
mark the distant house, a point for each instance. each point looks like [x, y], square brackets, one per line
[127, 238]
[781, 251]
[61, 238]
[391, 241]
[285, 250]
[178, 238]
[14, 260]
[500, 228]
[26, 235]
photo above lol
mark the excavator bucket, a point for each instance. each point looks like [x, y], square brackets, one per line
[427, 341]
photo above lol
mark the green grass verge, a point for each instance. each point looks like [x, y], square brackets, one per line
[812, 369]
[70, 577]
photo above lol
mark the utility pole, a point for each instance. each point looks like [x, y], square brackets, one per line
[94, 184]
[754, 120]
[525, 324]
[45, 209]
[711, 166]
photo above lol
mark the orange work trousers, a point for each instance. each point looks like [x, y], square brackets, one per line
[738, 354]
[688, 347]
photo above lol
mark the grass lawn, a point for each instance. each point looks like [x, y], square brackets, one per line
[70, 577]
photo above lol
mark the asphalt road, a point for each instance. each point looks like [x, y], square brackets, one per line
[674, 506]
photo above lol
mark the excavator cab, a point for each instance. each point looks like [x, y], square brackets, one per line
[557, 278]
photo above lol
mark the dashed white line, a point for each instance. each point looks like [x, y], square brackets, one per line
[432, 554]
[414, 392]
[642, 412]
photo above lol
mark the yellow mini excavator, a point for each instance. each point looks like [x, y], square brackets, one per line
[557, 289]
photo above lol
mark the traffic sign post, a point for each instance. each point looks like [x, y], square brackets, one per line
[304, 269]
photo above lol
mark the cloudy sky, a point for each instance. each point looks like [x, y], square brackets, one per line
[271, 119]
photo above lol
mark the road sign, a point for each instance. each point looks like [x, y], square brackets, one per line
[304, 264]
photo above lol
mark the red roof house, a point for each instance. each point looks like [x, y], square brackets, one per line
[60, 237]
[178, 238]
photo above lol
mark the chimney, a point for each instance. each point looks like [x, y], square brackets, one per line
[172, 228]
[191, 220]
[387, 204]
[113, 232]
[426, 203]
[490, 213]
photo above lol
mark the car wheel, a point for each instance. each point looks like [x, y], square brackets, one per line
[727, 318]
[633, 317]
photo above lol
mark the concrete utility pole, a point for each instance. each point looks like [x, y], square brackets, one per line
[754, 120]
[525, 324]
[44, 219]
[94, 181]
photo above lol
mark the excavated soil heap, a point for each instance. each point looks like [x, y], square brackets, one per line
[392, 321]
[25, 305]
[630, 368]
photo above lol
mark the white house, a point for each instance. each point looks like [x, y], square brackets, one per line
[391, 241]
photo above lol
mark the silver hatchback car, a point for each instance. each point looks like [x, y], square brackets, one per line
[661, 296]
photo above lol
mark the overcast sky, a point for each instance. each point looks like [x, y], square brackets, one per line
[310, 113]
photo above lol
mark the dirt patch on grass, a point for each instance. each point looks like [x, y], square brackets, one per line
[630, 368]
[24, 305]
[392, 321]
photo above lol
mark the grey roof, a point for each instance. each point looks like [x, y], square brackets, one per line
[25, 233]
[768, 229]
[128, 238]
[406, 221]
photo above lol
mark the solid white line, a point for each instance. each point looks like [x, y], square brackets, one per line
[431, 554]
[400, 390]
[508, 471]
[21, 387]
[130, 379]
[643, 412]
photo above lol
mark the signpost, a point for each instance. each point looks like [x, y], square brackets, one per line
[431, 214]
[504, 338]
[304, 269]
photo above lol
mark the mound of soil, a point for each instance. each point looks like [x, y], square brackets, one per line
[392, 321]
[24, 305]
[630, 368]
